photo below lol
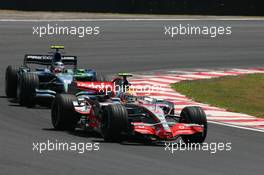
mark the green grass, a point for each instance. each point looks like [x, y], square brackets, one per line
[243, 93]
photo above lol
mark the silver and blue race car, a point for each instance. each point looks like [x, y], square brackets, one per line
[30, 85]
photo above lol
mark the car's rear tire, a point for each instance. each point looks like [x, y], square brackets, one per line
[26, 88]
[103, 77]
[195, 115]
[11, 81]
[63, 114]
[114, 122]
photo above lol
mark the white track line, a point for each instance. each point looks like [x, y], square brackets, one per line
[248, 123]
[236, 126]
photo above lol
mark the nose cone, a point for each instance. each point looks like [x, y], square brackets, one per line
[167, 135]
[66, 80]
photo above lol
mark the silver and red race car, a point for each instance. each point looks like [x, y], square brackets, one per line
[120, 118]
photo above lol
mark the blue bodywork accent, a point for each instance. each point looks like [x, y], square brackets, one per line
[60, 80]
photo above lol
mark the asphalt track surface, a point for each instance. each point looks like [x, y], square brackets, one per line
[131, 47]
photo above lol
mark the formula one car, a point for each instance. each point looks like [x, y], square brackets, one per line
[28, 85]
[116, 119]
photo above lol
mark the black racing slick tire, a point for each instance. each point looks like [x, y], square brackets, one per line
[63, 114]
[103, 77]
[26, 88]
[194, 115]
[11, 81]
[114, 122]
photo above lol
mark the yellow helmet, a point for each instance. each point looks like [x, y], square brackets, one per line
[129, 96]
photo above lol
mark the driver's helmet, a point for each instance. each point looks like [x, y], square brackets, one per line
[128, 97]
[57, 67]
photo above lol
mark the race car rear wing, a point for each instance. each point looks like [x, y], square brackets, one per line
[47, 59]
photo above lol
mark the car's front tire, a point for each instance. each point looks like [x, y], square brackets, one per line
[114, 122]
[194, 115]
[63, 114]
